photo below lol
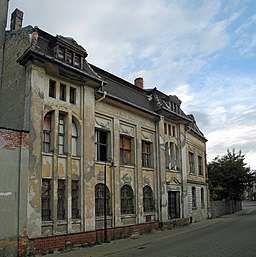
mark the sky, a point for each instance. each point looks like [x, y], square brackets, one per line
[203, 51]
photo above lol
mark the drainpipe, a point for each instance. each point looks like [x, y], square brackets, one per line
[102, 91]
[18, 193]
[159, 196]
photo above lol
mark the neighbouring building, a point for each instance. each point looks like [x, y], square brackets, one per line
[84, 152]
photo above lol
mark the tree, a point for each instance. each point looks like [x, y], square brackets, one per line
[229, 177]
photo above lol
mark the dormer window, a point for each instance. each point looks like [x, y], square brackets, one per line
[68, 51]
[77, 61]
[61, 53]
[69, 58]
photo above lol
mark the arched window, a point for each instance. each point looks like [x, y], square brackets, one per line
[99, 200]
[148, 199]
[193, 198]
[202, 197]
[47, 133]
[127, 200]
[74, 146]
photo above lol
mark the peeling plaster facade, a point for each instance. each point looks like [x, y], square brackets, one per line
[32, 154]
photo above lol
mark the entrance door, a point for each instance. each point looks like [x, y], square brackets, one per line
[173, 205]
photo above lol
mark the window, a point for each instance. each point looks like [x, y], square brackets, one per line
[74, 145]
[62, 92]
[72, 95]
[69, 57]
[75, 197]
[193, 198]
[173, 131]
[46, 200]
[173, 205]
[52, 88]
[61, 53]
[200, 165]
[125, 150]
[148, 199]
[101, 146]
[99, 200]
[61, 133]
[191, 163]
[169, 155]
[169, 130]
[165, 128]
[202, 197]
[47, 133]
[61, 200]
[146, 154]
[127, 200]
[77, 61]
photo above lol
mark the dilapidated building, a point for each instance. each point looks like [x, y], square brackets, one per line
[84, 154]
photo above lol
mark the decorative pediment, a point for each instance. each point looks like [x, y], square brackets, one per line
[173, 181]
[147, 136]
[127, 130]
[102, 123]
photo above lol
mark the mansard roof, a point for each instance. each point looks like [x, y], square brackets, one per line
[45, 47]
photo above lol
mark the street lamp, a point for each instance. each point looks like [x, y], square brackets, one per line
[110, 160]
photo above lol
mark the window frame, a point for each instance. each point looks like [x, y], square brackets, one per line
[148, 199]
[52, 88]
[127, 200]
[61, 203]
[146, 151]
[124, 152]
[191, 157]
[100, 153]
[72, 95]
[75, 199]
[47, 134]
[74, 139]
[63, 92]
[61, 133]
[46, 200]
[99, 200]
[194, 205]
[200, 165]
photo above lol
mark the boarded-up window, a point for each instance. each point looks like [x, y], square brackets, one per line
[126, 150]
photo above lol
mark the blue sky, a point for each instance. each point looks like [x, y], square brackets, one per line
[203, 51]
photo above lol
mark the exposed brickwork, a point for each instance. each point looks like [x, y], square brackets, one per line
[50, 244]
[14, 139]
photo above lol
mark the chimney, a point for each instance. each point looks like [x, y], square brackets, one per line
[16, 19]
[3, 22]
[138, 82]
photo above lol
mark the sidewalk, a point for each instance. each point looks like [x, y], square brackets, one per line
[139, 241]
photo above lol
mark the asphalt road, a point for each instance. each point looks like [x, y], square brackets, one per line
[230, 235]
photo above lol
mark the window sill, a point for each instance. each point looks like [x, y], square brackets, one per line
[47, 223]
[130, 166]
[62, 222]
[124, 216]
[148, 168]
[47, 153]
[75, 157]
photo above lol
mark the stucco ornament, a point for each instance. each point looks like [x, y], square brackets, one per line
[126, 179]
